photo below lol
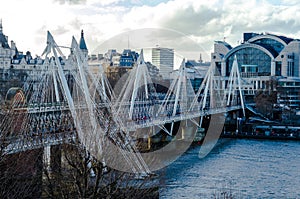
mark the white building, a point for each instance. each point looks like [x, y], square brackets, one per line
[6, 52]
[16, 68]
[163, 59]
[263, 59]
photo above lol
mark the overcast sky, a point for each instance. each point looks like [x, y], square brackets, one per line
[189, 26]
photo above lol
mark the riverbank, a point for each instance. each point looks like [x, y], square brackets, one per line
[258, 131]
[260, 137]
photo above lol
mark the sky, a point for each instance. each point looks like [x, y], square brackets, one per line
[188, 26]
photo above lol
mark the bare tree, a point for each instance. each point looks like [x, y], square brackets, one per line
[265, 101]
[20, 171]
[20, 174]
[82, 176]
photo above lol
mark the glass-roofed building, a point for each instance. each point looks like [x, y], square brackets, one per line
[262, 58]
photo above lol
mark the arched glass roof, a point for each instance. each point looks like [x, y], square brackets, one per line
[270, 44]
[250, 56]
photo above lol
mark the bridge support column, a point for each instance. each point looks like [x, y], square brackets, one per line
[149, 142]
[183, 132]
[188, 130]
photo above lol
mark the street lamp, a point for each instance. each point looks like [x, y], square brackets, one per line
[238, 119]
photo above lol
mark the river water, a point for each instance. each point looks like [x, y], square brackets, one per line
[240, 168]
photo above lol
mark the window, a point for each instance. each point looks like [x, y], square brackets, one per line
[258, 60]
[278, 68]
[291, 69]
[218, 68]
[270, 43]
[249, 68]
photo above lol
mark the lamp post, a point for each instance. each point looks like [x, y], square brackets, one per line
[289, 107]
[238, 119]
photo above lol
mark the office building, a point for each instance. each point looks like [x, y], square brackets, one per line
[163, 59]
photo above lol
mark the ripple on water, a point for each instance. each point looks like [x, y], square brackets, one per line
[244, 168]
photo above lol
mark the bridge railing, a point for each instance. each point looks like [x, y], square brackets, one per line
[28, 142]
[132, 125]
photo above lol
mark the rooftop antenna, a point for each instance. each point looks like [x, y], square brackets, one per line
[200, 58]
[127, 41]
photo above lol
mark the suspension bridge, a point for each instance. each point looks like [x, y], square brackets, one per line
[79, 106]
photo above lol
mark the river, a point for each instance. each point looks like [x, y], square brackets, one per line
[240, 168]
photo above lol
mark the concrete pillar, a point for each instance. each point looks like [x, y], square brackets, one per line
[223, 68]
[273, 68]
[46, 158]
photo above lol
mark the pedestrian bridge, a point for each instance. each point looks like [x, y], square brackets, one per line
[79, 106]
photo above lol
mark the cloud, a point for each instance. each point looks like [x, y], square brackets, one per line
[71, 1]
[76, 24]
[60, 30]
[89, 2]
[198, 23]
[205, 23]
[104, 2]
[290, 2]
[191, 21]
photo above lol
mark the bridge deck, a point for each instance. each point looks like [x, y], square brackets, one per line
[23, 143]
[41, 139]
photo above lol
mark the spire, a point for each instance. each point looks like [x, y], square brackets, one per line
[82, 44]
[3, 38]
[1, 28]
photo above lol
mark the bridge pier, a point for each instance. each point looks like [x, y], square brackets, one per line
[187, 130]
[53, 158]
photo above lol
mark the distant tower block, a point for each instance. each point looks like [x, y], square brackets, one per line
[163, 59]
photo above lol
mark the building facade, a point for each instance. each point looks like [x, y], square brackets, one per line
[128, 58]
[266, 61]
[17, 68]
[163, 59]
